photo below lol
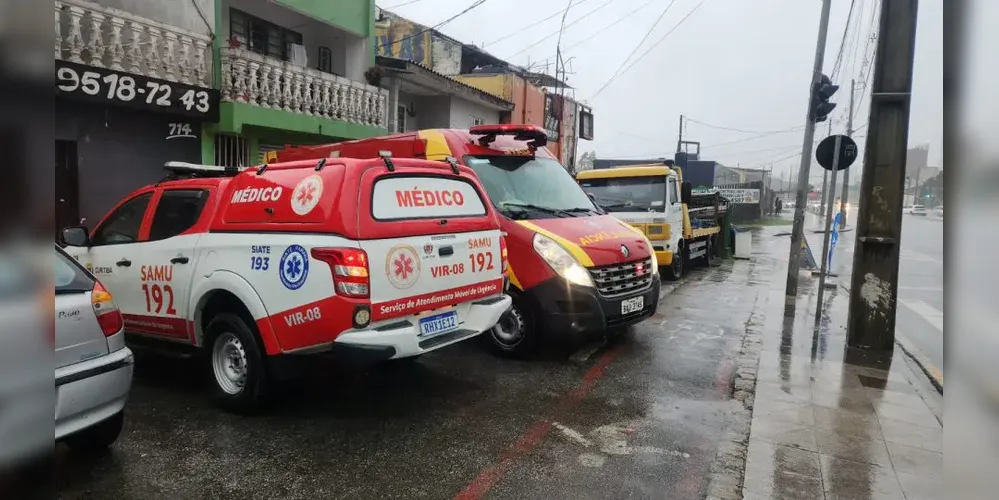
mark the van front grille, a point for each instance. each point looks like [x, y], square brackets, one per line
[620, 279]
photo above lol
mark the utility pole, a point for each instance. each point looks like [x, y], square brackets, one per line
[679, 137]
[846, 172]
[797, 233]
[826, 189]
[871, 323]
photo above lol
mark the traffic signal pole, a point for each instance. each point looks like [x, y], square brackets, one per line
[871, 323]
[797, 232]
[846, 172]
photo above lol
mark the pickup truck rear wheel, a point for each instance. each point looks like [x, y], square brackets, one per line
[676, 269]
[514, 335]
[236, 365]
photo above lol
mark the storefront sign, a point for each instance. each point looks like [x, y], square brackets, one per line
[741, 196]
[108, 86]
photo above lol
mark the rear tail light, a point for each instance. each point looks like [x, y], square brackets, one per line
[108, 314]
[503, 254]
[350, 270]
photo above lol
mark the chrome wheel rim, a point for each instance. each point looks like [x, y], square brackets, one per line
[509, 331]
[229, 363]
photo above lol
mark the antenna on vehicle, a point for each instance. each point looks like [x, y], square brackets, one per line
[386, 157]
[454, 165]
[263, 167]
[320, 164]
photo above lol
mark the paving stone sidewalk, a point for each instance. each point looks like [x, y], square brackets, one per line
[828, 424]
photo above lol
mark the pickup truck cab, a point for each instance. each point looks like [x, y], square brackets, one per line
[367, 259]
[573, 268]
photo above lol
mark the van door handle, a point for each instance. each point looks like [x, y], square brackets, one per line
[123, 263]
[179, 260]
[446, 251]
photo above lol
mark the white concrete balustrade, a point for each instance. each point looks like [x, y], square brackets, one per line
[104, 37]
[272, 83]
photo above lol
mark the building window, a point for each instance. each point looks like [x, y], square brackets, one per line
[261, 36]
[477, 121]
[325, 60]
[400, 125]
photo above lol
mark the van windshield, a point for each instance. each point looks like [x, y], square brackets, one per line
[525, 187]
[627, 194]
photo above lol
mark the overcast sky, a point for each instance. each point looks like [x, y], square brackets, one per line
[735, 64]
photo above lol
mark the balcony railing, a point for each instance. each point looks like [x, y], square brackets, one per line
[104, 37]
[272, 83]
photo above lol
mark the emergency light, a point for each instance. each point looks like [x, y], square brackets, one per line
[536, 135]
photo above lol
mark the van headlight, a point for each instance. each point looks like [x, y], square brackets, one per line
[655, 260]
[561, 261]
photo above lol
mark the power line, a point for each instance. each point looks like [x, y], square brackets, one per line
[403, 4]
[438, 25]
[637, 46]
[639, 59]
[601, 30]
[744, 131]
[842, 42]
[529, 26]
[556, 32]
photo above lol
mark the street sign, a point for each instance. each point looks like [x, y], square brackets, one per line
[847, 152]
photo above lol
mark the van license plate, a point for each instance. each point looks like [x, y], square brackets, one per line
[632, 305]
[438, 324]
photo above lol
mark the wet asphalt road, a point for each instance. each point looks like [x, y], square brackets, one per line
[641, 417]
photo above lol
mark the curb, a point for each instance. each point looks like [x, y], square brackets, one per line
[922, 361]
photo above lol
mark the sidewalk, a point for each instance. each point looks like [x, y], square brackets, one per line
[828, 427]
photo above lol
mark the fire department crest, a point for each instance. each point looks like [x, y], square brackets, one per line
[306, 195]
[402, 266]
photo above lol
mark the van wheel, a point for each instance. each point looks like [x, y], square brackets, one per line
[97, 437]
[236, 365]
[676, 268]
[514, 335]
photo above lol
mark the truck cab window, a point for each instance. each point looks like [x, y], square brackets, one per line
[122, 226]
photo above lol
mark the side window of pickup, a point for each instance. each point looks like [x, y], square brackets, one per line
[122, 226]
[177, 211]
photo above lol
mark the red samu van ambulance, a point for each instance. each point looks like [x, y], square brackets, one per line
[573, 267]
[260, 268]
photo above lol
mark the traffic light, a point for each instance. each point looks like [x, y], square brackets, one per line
[821, 107]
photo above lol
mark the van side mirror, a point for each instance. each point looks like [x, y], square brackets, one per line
[75, 236]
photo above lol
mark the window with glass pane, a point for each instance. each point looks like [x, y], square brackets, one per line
[177, 211]
[122, 226]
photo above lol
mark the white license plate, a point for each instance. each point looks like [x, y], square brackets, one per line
[438, 324]
[633, 304]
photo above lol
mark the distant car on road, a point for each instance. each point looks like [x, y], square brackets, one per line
[918, 210]
[93, 373]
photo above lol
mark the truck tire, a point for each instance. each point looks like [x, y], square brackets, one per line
[235, 364]
[515, 335]
[708, 251]
[676, 268]
[97, 437]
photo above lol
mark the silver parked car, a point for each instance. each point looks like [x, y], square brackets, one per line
[93, 373]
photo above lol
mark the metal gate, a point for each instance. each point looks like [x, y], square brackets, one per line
[231, 151]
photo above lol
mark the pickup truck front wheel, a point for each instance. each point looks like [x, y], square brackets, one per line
[236, 367]
[514, 335]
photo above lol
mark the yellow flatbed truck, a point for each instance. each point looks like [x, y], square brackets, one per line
[682, 226]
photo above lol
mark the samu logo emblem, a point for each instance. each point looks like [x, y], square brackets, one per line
[294, 267]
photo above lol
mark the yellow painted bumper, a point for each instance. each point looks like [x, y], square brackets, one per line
[665, 257]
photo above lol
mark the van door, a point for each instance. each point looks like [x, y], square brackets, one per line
[432, 242]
